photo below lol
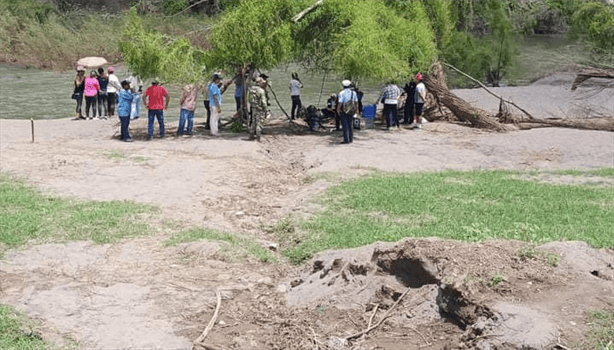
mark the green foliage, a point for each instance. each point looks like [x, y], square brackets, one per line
[495, 280]
[35, 33]
[256, 32]
[29, 215]
[486, 46]
[366, 39]
[468, 206]
[596, 19]
[17, 332]
[151, 54]
[173, 7]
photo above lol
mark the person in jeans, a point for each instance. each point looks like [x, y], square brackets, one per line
[91, 94]
[187, 103]
[156, 100]
[125, 97]
[103, 81]
[346, 108]
[295, 94]
[112, 89]
[389, 97]
[79, 82]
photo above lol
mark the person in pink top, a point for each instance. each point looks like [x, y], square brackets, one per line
[91, 94]
[156, 100]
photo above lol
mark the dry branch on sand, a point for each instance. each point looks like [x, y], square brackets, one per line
[504, 120]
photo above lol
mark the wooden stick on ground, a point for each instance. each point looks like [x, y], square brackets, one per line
[306, 11]
[370, 328]
[204, 334]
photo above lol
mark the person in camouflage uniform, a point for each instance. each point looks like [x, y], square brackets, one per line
[258, 102]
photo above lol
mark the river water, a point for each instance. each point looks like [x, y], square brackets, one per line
[43, 94]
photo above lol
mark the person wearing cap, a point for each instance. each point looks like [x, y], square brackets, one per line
[124, 107]
[156, 100]
[215, 102]
[112, 89]
[258, 103]
[346, 108]
[389, 97]
[295, 94]
[91, 94]
[419, 98]
[79, 82]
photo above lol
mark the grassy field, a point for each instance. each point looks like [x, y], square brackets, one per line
[468, 206]
[17, 331]
[28, 214]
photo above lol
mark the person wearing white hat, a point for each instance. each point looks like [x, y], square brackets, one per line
[346, 108]
[112, 89]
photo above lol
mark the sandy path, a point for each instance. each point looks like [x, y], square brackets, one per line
[230, 183]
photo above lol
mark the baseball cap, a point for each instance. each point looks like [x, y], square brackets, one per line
[111, 69]
[418, 76]
[346, 83]
[80, 68]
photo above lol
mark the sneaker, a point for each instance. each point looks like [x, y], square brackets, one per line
[128, 140]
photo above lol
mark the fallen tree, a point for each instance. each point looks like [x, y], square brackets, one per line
[504, 120]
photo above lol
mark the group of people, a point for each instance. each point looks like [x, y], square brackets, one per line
[102, 91]
[99, 91]
[347, 105]
[415, 95]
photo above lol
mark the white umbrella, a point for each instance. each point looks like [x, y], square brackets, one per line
[92, 62]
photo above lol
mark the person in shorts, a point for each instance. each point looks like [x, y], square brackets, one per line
[419, 98]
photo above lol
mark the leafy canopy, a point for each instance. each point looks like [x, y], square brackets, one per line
[151, 54]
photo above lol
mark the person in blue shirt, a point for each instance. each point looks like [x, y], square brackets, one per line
[124, 107]
[215, 101]
[346, 108]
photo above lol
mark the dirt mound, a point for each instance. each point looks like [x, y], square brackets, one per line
[490, 291]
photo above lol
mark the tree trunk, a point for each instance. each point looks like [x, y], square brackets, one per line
[461, 109]
[586, 74]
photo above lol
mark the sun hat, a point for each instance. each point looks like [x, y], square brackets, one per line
[111, 69]
[80, 68]
[346, 83]
[418, 76]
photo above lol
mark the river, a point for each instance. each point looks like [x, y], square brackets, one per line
[43, 94]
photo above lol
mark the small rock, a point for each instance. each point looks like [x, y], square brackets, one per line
[273, 246]
[281, 288]
[265, 280]
[239, 213]
[221, 323]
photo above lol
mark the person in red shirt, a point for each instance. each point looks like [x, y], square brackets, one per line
[156, 100]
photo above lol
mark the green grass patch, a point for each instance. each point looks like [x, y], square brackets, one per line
[17, 331]
[601, 329]
[27, 214]
[235, 247]
[468, 206]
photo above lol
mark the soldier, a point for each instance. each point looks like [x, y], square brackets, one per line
[258, 102]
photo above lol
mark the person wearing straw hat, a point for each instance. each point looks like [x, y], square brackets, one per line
[77, 95]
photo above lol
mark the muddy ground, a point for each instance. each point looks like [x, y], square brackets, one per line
[430, 294]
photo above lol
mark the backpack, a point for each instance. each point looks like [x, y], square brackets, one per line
[349, 106]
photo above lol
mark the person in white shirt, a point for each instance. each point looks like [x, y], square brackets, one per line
[419, 98]
[295, 94]
[112, 89]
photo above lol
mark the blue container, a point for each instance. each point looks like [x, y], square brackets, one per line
[368, 112]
